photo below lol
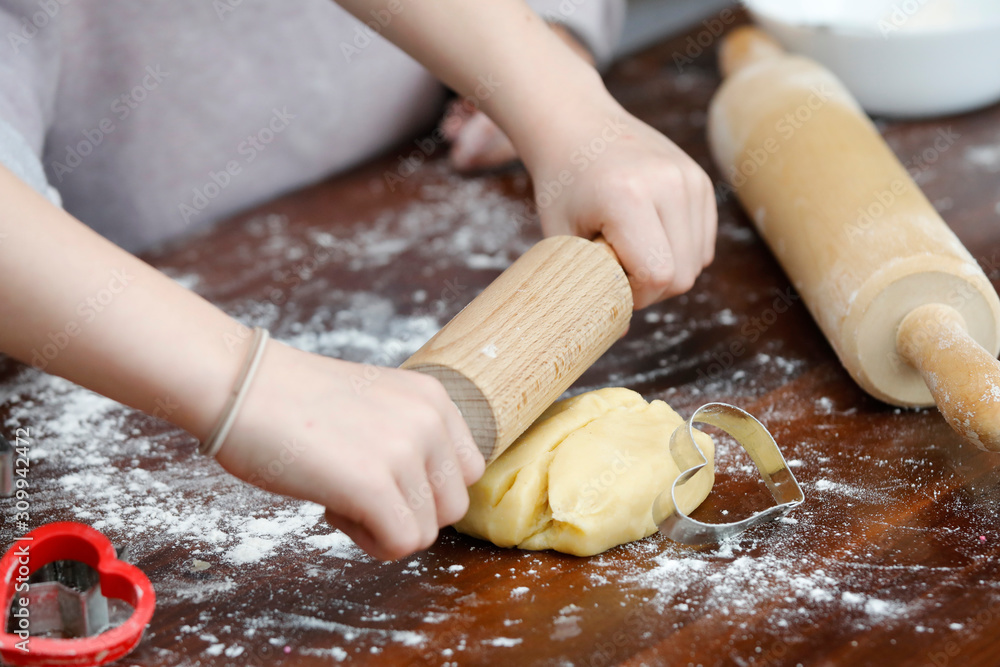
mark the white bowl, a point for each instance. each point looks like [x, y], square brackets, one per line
[901, 58]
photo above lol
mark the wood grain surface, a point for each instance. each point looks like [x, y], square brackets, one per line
[525, 339]
[892, 559]
[856, 236]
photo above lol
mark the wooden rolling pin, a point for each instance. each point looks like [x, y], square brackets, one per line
[521, 343]
[906, 307]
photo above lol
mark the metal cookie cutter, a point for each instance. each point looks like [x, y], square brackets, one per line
[56, 580]
[763, 450]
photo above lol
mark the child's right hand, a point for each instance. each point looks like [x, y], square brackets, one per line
[386, 451]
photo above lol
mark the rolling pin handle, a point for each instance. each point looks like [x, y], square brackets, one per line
[526, 338]
[963, 377]
[745, 46]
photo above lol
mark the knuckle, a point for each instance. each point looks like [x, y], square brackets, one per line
[408, 538]
[702, 189]
[477, 467]
[673, 175]
[378, 486]
[425, 424]
[393, 446]
[706, 182]
[628, 188]
[685, 282]
[432, 383]
[403, 545]
[712, 221]
[425, 382]
[432, 389]
[661, 276]
[455, 510]
[428, 538]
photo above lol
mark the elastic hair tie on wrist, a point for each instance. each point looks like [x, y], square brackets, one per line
[212, 445]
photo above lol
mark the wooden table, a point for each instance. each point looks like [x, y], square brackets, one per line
[894, 559]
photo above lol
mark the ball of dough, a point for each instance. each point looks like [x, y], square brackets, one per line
[584, 477]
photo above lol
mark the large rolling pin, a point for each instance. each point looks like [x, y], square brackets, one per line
[508, 355]
[905, 306]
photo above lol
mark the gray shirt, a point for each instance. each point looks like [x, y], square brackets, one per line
[150, 118]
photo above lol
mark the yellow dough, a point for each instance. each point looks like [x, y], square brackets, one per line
[584, 477]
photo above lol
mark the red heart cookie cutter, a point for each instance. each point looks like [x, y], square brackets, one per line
[68, 540]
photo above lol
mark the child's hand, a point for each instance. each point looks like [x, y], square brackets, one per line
[609, 174]
[384, 450]
[614, 175]
[653, 203]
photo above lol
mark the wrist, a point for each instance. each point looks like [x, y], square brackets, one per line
[572, 133]
[208, 383]
[211, 445]
[534, 104]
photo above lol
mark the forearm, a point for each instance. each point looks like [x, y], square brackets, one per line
[78, 306]
[574, 44]
[501, 53]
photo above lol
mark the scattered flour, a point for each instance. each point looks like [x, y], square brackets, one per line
[985, 157]
[359, 326]
[789, 367]
[824, 405]
[456, 217]
[503, 641]
[567, 624]
[292, 621]
[334, 652]
[726, 317]
[215, 649]
[337, 545]
[731, 585]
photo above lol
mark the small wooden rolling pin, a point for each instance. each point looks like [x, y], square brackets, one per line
[521, 343]
[905, 306]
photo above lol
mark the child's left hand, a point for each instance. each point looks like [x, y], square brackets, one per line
[611, 174]
[596, 168]
[650, 200]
